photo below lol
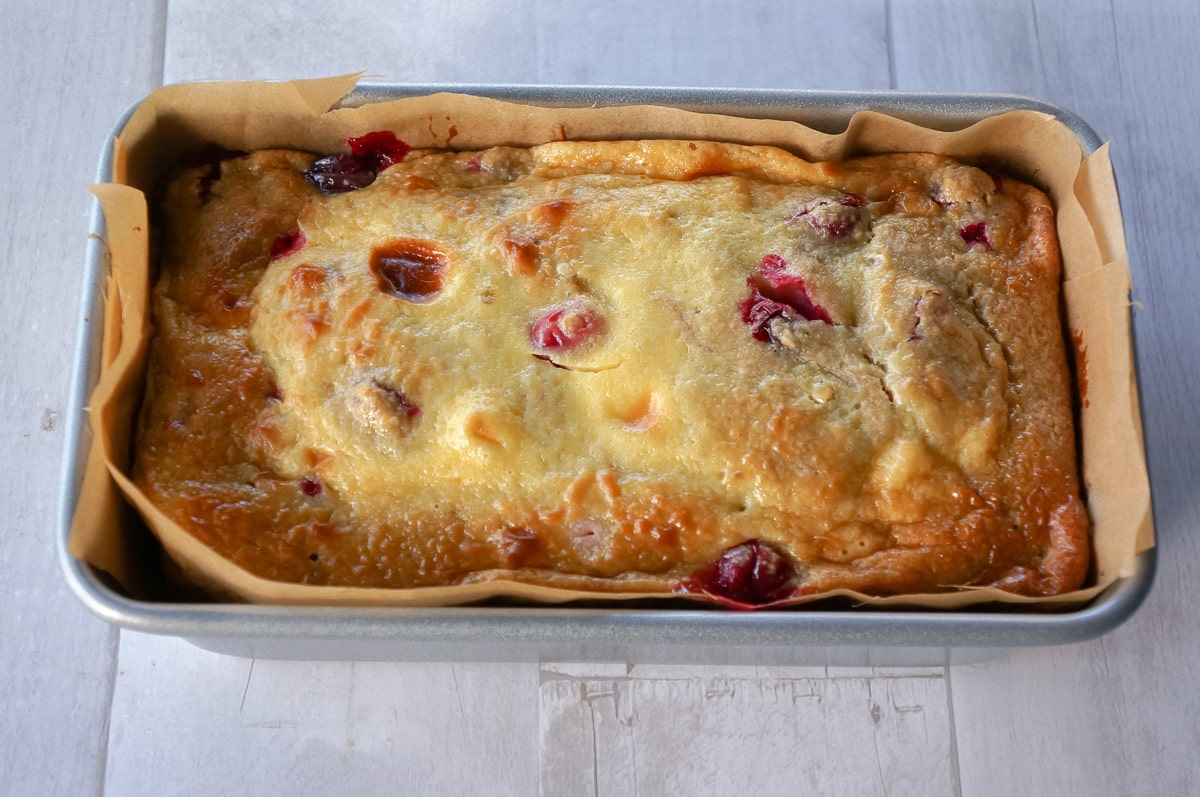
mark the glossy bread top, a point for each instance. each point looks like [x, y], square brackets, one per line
[615, 366]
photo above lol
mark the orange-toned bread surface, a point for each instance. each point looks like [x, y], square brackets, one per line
[646, 366]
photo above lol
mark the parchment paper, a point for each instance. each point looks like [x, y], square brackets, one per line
[246, 116]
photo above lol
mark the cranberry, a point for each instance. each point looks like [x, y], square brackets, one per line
[399, 400]
[976, 235]
[408, 269]
[337, 174]
[310, 487]
[566, 327]
[776, 292]
[381, 408]
[211, 157]
[833, 218]
[750, 574]
[369, 155]
[211, 174]
[381, 148]
[520, 546]
[289, 243]
[757, 312]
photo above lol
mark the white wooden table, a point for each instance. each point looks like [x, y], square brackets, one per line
[86, 709]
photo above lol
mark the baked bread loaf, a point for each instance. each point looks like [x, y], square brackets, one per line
[629, 366]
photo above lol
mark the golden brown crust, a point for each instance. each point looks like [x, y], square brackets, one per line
[859, 364]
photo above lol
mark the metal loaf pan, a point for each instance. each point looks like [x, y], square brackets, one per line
[844, 636]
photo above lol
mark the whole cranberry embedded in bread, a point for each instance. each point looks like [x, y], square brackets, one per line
[381, 408]
[369, 155]
[832, 217]
[976, 235]
[778, 292]
[380, 148]
[337, 174]
[749, 574]
[566, 327]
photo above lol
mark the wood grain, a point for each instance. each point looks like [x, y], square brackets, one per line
[726, 43]
[217, 725]
[70, 69]
[699, 732]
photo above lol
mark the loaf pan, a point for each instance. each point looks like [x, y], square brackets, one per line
[842, 634]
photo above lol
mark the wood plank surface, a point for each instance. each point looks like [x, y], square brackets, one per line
[696, 731]
[726, 43]
[1114, 716]
[219, 725]
[70, 69]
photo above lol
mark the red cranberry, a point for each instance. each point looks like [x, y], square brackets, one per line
[976, 235]
[399, 400]
[369, 155]
[520, 547]
[776, 292]
[752, 573]
[757, 312]
[310, 487]
[833, 218]
[211, 157]
[381, 148]
[211, 174]
[337, 174]
[408, 269]
[289, 243]
[566, 327]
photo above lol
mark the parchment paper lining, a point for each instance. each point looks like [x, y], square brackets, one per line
[247, 116]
